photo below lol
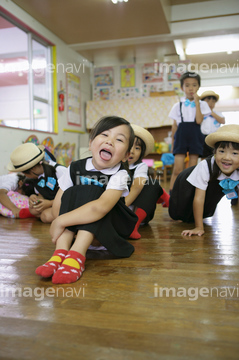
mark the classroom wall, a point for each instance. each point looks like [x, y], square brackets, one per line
[11, 137]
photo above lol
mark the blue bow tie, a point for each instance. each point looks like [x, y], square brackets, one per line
[187, 102]
[228, 184]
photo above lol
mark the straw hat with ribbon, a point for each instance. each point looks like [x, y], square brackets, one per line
[25, 156]
[208, 94]
[145, 136]
[224, 133]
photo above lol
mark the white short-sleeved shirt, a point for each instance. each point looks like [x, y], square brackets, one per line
[188, 112]
[118, 180]
[9, 182]
[200, 175]
[210, 124]
[141, 170]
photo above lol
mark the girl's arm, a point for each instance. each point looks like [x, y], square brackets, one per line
[85, 214]
[5, 201]
[198, 207]
[199, 115]
[174, 129]
[57, 203]
[219, 119]
[135, 190]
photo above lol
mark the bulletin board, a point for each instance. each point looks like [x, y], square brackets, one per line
[73, 99]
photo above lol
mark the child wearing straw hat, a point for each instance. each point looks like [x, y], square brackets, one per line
[42, 178]
[198, 190]
[144, 193]
[210, 122]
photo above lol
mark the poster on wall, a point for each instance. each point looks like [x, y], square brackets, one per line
[152, 73]
[103, 93]
[127, 76]
[73, 99]
[104, 76]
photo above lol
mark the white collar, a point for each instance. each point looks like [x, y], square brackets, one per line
[110, 171]
[233, 176]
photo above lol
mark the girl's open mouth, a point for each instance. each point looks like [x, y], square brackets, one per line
[226, 165]
[105, 155]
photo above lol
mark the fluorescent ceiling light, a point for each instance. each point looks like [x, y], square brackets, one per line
[179, 49]
[213, 44]
[116, 1]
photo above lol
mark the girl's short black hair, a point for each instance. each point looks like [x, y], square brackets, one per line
[109, 122]
[140, 143]
[223, 144]
[190, 75]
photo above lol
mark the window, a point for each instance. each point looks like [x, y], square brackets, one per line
[26, 96]
[231, 117]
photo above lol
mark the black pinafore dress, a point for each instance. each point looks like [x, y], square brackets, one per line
[46, 185]
[115, 227]
[182, 195]
[147, 199]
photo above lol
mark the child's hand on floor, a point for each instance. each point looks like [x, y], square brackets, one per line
[195, 231]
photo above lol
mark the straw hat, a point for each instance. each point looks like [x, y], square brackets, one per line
[25, 156]
[145, 136]
[224, 133]
[209, 93]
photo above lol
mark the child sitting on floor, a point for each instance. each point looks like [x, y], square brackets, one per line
[42, 178]
[91, 203]
[145, 192]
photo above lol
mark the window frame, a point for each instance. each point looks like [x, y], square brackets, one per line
[32, 35]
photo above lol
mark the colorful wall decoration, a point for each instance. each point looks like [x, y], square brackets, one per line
[104, 76]
[137, 81]
[73, 99]
[152, 73]
[127, 76]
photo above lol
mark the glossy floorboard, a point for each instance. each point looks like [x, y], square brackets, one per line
[174, 298]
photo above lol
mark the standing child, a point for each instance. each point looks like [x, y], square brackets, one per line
[91, 203]
[210, 122]
[144, 193]
[29, 159]
[197, 190]
[187, 116]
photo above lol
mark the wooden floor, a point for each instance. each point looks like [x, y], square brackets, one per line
[174, 298]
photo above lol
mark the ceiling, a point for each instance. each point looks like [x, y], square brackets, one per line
[137, 30]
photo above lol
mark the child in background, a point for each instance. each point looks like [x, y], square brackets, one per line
[42, 178]
[91, 203]
[144, 193]
[197, 190]
[187, 116]
[13, 202]
[210, 122]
